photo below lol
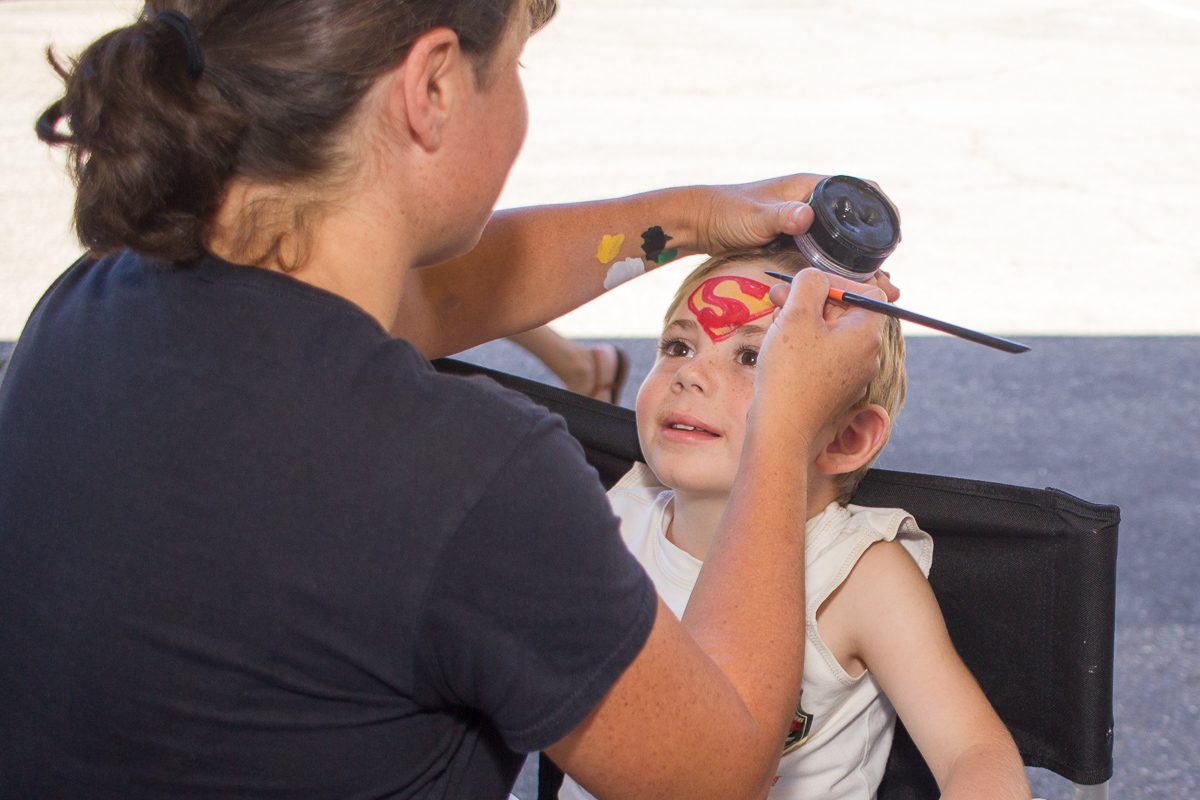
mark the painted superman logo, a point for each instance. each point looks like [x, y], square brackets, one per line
[727, 302]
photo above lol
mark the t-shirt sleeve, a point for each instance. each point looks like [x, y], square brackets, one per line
[536, 607]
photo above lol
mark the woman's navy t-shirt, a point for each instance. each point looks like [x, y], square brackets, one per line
[251, 546]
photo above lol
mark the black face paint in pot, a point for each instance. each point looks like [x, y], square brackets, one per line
[855, 230]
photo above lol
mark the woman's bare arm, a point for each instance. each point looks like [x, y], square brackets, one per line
[535, 264]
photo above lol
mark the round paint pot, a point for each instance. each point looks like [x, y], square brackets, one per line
[855, 230]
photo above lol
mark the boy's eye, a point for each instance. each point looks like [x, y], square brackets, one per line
[747, 357]
[674, 348]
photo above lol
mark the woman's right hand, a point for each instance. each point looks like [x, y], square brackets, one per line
[818, 355]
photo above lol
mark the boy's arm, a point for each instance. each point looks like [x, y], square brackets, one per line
[535, 264]
[898, 631]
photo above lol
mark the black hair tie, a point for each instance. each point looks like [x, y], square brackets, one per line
[47, 124]
[183, 26]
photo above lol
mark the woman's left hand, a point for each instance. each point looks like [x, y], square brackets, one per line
[753, 214]
[884, 281]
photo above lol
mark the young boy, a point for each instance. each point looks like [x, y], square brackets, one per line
[876, 642]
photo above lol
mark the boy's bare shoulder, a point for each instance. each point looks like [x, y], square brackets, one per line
[886, 603]
[884, 588]
[885, 564]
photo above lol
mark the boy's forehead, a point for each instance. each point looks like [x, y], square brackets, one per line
[755, 270]
[728, 299]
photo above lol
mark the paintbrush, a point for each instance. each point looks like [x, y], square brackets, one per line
[850, 298]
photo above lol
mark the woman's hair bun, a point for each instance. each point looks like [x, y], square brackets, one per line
[159, 116]
[149, 146]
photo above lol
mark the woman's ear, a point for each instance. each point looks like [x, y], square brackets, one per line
[859, 436]
[422, 90]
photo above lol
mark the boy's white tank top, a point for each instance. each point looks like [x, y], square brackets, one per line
[839, 743]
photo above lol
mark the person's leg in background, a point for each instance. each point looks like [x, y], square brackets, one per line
[597, 371]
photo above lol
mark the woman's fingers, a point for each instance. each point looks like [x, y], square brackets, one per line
[815, 354]
[868, 289]
[883, 280]
[781, 291]
[791, 217]
[752, 214]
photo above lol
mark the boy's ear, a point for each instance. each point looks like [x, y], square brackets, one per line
[422, 90]
[858, 437]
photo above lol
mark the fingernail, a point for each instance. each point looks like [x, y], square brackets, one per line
[794, 214]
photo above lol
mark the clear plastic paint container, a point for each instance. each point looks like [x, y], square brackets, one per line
[855, 230]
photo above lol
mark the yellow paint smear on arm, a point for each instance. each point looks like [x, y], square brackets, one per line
[610, 247]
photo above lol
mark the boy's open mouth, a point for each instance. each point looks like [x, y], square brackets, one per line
[688, 427]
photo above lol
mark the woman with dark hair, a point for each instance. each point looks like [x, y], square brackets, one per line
[252, 545]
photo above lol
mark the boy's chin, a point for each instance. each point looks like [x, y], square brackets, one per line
[699, 488]
[691, 478]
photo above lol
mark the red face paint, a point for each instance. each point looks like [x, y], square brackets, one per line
[727, 302]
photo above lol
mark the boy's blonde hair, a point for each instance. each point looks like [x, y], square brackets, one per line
[886, 389]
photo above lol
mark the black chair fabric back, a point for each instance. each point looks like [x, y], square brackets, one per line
[1026, 579]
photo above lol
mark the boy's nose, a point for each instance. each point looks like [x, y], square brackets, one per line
[695, 374]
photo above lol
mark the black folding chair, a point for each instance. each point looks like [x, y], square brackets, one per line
[1026, 579]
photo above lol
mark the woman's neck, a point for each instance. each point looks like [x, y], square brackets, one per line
[350, 247]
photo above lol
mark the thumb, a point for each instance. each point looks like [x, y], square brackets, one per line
[810, 288]
[793, 217]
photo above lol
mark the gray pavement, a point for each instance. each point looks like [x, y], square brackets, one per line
[1108, 419]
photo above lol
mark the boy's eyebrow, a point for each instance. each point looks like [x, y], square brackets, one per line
[683, 322]
[689, 325]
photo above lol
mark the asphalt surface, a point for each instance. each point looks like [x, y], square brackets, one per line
[1108, 419]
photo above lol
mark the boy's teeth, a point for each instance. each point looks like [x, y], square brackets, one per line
[679, 427]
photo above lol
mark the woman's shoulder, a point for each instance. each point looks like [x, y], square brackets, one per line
[470, 421]
[474, 399]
